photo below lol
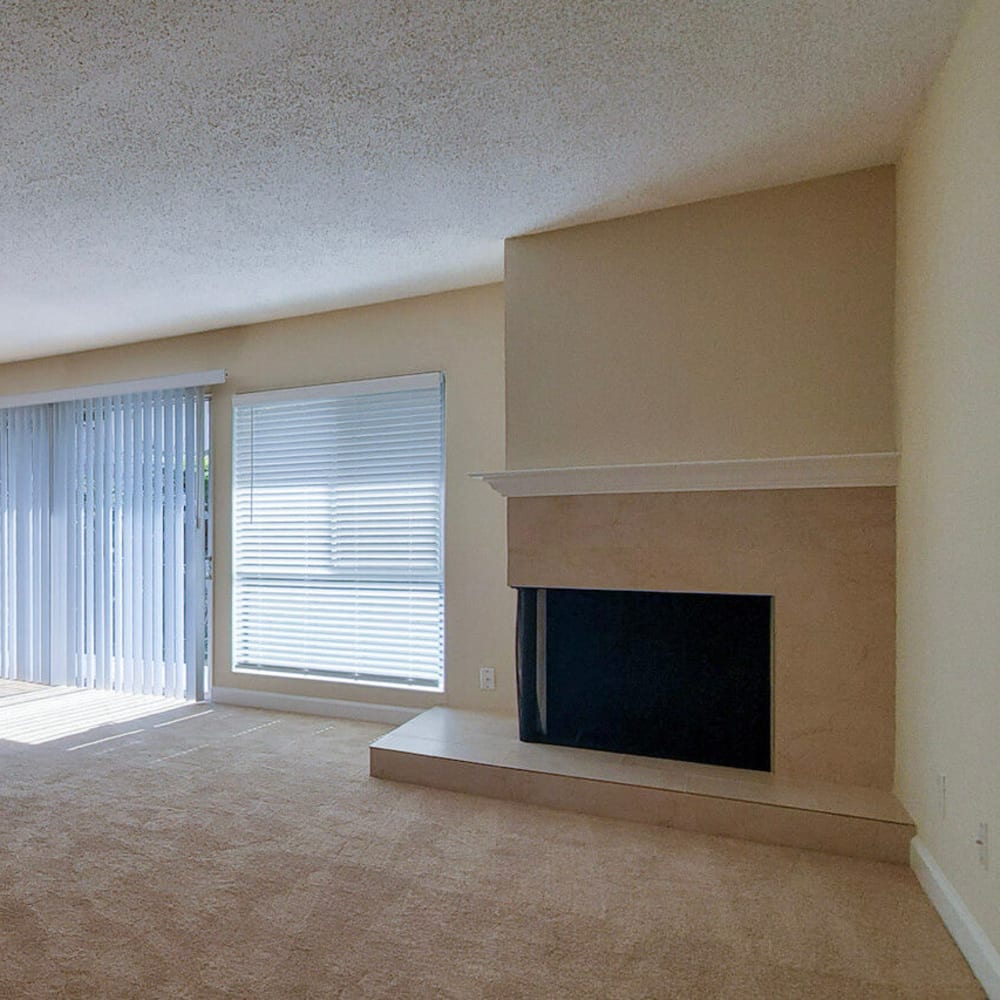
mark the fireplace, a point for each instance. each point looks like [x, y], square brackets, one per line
[677, 675]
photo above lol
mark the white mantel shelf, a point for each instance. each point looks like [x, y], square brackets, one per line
[793, 473]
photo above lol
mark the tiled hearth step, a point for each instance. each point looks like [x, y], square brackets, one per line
[480, 753]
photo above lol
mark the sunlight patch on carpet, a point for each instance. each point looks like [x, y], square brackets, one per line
[44, 714]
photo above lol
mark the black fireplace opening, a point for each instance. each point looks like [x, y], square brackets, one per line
[675, 675]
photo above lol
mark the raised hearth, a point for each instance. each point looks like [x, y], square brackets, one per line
[480, 753]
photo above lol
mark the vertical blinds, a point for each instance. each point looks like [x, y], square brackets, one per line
[25, 502]
[103, 542]
[338, 531]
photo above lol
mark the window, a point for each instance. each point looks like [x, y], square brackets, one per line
[103, 542]
[338, 503]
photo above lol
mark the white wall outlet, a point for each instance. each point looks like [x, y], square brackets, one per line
[942, 796]
[487, 679]
[983, 843]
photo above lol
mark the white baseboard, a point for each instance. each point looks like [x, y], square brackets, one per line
[971, 939]
[330, 707]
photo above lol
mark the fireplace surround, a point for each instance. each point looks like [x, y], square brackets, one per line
[827, 555]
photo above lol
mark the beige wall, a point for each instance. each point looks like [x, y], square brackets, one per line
[949, 496]
[460, 333]
[753, 326]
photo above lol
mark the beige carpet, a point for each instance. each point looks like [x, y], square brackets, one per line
[248, 854]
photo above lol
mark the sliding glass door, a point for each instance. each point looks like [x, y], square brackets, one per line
[104, 507]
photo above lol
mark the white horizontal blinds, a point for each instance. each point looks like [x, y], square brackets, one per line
[135, 541]
[338, 516]
[25, 470]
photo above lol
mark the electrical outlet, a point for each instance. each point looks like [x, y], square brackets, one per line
[942, 790]
[487, 679]
[983, 842]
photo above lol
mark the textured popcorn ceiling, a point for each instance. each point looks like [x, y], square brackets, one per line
[181, 166]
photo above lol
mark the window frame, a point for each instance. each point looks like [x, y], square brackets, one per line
[317, 393]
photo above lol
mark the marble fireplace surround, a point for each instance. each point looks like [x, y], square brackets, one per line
[826, 554]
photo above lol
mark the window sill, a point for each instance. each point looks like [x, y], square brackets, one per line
[357, 682]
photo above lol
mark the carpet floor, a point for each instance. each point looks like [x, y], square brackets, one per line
[235, 853]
